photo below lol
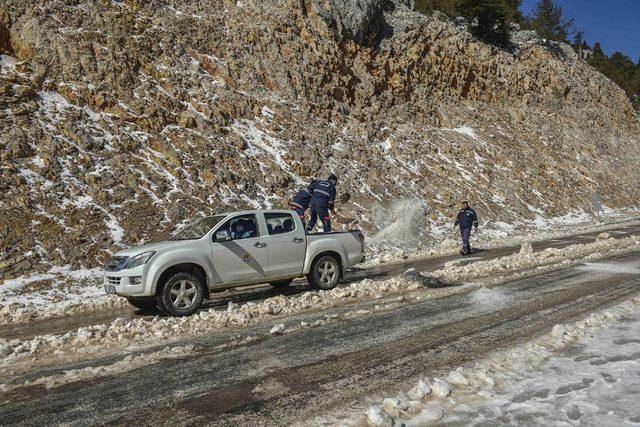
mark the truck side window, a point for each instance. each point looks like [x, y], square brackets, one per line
[242, 227]
[279, 223]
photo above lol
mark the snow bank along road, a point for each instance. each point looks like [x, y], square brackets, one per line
[249, 377]
[262, 292]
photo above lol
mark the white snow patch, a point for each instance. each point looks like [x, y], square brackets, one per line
[583, 373]
[607, 267]
[463, 130]
[488, 298]
[128, 363]
[7, 63]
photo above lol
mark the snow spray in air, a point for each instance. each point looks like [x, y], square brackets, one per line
[404, 224]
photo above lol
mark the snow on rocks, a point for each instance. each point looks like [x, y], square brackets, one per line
[480, 378]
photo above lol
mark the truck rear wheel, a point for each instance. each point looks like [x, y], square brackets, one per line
[181, 295]
[325, 273]
[143, 303]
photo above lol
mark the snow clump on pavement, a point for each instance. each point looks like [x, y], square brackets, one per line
[128, 363]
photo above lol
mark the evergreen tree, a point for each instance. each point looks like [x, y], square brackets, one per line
[548, 21]
[619, 68]
[578, 40]
[513, 11]
[488, 19]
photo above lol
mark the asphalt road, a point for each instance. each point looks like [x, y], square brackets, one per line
[294, 377]
[261, 292]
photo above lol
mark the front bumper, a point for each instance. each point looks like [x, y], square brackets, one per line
[121, 283]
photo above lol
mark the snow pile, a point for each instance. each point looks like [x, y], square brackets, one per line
[537, 381]
[128, 363]
[526, 259]
[123, 331]
[18, 312]
[56, 293]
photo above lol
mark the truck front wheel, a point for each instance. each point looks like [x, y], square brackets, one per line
[181, 295]
[325, 273]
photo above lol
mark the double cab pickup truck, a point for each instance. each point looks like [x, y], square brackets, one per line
[228, 251]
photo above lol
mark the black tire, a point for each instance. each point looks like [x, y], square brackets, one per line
[181, 295]
[281, 283]
[143, 303]
[325, 273]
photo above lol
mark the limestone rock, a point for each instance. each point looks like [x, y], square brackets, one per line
[116, 130]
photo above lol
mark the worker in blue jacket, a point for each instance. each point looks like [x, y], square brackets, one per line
[466, 219]
[322, 201]
[300, 202]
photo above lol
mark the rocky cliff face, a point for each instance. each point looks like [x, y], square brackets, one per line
[120, 119]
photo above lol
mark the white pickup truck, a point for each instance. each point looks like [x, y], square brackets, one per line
[226, 251]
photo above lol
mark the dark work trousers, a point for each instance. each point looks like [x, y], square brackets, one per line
[300, 213]
[322, 213]
[466, 234]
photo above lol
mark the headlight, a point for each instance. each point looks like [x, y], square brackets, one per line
[138, 260]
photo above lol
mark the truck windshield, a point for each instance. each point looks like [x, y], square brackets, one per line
[198, 228]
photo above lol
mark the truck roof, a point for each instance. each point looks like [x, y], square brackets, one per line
[256, 211]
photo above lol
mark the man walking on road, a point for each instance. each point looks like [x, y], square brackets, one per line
[300, 202]
[322, 201]
[466, 219]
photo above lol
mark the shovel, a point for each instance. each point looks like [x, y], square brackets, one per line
[345, 221]
[344, 198]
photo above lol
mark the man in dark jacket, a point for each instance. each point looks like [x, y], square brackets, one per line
[300, 202]
[322, 201]
[466, 219]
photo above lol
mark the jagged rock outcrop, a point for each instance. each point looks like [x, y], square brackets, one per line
[120, 119]
[359, 20]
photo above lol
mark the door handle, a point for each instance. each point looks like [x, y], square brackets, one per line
[260, 245]
[298, 240]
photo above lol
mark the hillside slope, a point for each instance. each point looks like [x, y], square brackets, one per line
[120, 119]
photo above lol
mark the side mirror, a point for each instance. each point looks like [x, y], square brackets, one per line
[222, 236]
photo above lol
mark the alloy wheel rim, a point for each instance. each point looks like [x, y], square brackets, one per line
[183, 294]
[328, 273]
